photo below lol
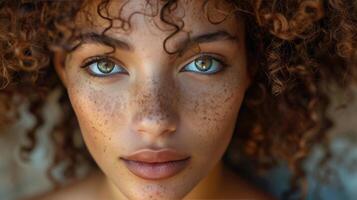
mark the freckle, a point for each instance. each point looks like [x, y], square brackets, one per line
[103, 134]
[196, 105]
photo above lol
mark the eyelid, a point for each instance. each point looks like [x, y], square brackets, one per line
[96, 59]
[219, 58]
[99, 58]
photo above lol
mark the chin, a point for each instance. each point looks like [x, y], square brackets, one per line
[176, 187]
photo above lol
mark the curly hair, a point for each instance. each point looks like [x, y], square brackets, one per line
[298, 49]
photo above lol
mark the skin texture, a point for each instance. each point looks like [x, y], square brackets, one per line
[154, 104]
[298, 47]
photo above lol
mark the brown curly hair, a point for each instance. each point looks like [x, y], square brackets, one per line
[298, 49]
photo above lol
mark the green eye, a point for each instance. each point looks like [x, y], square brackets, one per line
[203, 63]
[105, 66]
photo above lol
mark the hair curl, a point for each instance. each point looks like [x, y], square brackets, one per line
[297, 48]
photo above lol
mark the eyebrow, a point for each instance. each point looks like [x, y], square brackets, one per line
[205, 38]
[183, 45]
[105, 40]
[211, 37]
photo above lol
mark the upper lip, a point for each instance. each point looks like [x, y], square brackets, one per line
[156, 156]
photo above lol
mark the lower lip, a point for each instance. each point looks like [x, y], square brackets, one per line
[155, 171]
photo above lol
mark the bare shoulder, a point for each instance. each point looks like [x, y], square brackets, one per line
[236, 186]
[86, 188]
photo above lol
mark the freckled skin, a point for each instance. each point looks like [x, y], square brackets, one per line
[157, 105]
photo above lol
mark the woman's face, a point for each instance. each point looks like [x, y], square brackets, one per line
[142, 98]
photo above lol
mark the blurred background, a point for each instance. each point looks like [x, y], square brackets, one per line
[19, 179]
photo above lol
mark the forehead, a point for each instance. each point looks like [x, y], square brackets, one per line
[159, 17]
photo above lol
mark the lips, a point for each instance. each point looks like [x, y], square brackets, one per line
[156, 164]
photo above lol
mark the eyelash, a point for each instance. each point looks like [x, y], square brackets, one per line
[122, 70]
[213, 58]
[97, 60]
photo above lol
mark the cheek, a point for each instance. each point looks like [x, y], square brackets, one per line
[218, 108]
[95, 110]
[211, 116]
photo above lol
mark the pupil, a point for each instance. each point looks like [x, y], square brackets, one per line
[106, 66]
[203, 64]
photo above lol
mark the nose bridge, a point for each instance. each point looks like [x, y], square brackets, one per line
[153, 100]
[154, 107]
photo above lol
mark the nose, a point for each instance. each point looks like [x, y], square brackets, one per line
[154, 110]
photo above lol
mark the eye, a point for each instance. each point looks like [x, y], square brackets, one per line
[104, 67]
[205, 64]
